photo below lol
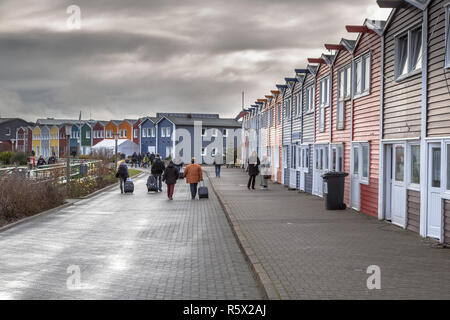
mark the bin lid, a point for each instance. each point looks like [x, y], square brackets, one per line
[333, 174]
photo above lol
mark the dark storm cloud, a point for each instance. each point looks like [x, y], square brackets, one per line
[133, 58]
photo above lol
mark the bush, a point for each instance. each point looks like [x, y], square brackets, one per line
[21, 197]
[5, 157]
[20, 158]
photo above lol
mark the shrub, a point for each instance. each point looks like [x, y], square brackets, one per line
[20, 158]
[21, 197]
[5, 157]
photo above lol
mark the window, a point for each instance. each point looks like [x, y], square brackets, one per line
[362, 75]
[136, 133]
[299, 104]
[293, 157]
[225, 132]
[399, 163]
[356, 161]
[448, 166]
[447, 36]
[310, 99]
[152, 132]
[415, 164]
[324, 93]
[408, 52]
[337, 158]
[203, 132]
[163, 132]
[144, 132]
[168, 152]
[365, 162]
[168, 132]
[436, 167]
[279, 113]
[88, 134]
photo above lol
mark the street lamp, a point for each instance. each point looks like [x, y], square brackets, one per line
[13, 144]
[68, 133]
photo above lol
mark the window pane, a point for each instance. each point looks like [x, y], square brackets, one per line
[447, 55]
[415, 164]
[402, 55]
[416, 49]
[348, 82]
[334, 160]
[356, 160]
[436, 167]
[358, 76]
[399, 163]
[365, 161]
[341, 92]
[367, 74]
[448, 167]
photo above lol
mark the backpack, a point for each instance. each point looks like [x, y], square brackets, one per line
[123, 170]
[152, 184]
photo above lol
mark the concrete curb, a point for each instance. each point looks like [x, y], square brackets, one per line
[267, 288]
[67, 204]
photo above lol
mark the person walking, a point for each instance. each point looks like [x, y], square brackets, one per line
[253, 170]
[122, 172]
[41, 162]
[140, 159]
[145, 161]
[265, 172]
[157, 170]
[52, 159]
[218, 162]
[152, 158]
[170, 178]
[178, 162]
[193, 174]
[134, 159]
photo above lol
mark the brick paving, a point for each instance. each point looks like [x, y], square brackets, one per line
[310, 253]
[139, 246]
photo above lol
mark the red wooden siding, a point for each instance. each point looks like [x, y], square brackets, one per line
[136, 127]
[98, 126]
[62, 142]
[366, 121]
[343, 59]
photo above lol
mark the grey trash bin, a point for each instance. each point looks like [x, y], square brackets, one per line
[334, 197]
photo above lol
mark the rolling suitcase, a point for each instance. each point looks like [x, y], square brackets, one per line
[152, 184]
[181, 175]
[203, 192]
[128, 186]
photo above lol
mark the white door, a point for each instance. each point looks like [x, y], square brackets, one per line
[293, 168]
[434, 218]
[277, 162]
[398, 186]
[355, 182]
[152, 150]
[320, 156]
[302, 168]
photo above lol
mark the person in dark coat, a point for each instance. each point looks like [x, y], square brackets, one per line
[134, 159]
[52, 159]
[253, 170]
[157, 170]
[122, 172]
[140, 157]
[170, 178]
[152, 158]
[41, 162]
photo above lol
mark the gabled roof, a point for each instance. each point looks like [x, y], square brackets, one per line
[397, 4]
[152, 119]
[312, 69]
[53, 121]
[348, 44]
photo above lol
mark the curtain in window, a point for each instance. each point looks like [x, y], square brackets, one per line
[402, 52]
[416, 49]
[340, 115]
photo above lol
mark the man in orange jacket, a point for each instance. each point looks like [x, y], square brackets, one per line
[193, 174]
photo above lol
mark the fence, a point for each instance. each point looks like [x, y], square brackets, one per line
[78, 169]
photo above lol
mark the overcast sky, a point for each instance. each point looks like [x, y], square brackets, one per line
[137, 57]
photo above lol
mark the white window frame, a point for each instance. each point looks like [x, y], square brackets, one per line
[136, 133]
[285, 162]
[163, 132]
[339, 152]
[168, 132]
[144, 132]
[364, 59]
[445, 168]
[408, 165]
[360, 145]
[410, 72]
[310, 99]
[447, 36]
[88, 134]
[324, 92]
[293, 162]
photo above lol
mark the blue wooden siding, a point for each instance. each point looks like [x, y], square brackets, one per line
[147, 141]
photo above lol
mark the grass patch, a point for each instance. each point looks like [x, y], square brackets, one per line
[133, 172]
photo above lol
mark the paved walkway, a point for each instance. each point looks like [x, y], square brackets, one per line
[139, 246]
[310, 253]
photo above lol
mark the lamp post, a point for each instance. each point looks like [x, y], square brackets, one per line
[13, 144]
[116, 136]
[68, 133]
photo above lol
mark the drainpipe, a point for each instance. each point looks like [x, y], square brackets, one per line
[423, 134]
[331, 116]
[381, 177]
[352, 104]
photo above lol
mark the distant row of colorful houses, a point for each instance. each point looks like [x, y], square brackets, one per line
[148, 134]
[378, 108]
